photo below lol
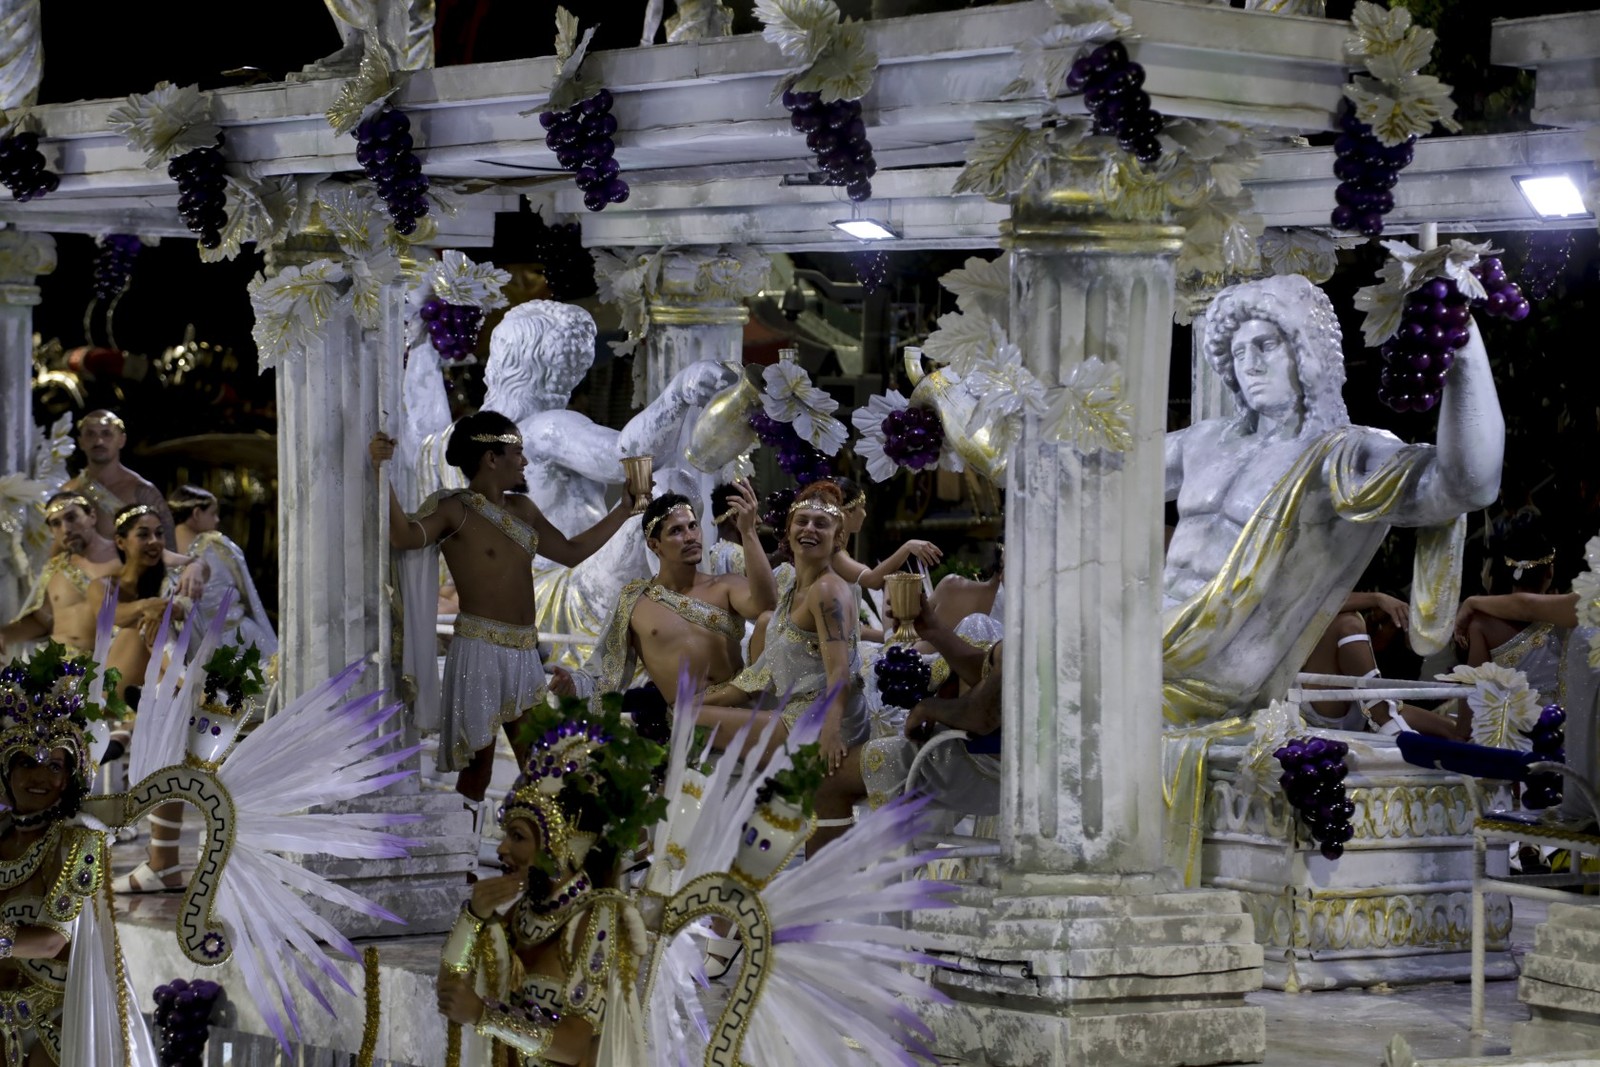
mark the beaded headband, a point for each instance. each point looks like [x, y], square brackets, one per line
[106, 418]
[134, 512]
[60, 504]
[496, 438]
[1519, 565]
[655, 524]
[816, 505]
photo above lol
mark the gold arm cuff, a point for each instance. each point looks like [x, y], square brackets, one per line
[514, 1030]
[462, 945]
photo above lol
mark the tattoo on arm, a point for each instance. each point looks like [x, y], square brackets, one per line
[833, 626]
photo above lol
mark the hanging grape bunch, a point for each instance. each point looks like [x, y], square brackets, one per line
[1111, 86]
[113, 264]
[1505, 299]
[1549, 738]
[837, 137]
[202, 193]
[1433, 325]
[383, 148]
[1546, 257]
[872, 269]
[453, 328]
[183, 1017]
[1367, 170]
[581, 138]
[1313, 779]
[796, 456]
[22, 167]
[568, 266]
[913, 437]
[903, 676]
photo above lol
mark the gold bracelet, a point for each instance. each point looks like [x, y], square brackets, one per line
[515, 1029]
[462, 944]
[8, 939]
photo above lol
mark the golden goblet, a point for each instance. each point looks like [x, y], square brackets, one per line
[637, 470]
[905, 600]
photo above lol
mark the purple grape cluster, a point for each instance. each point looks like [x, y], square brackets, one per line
[1543, 261]
[1505, 299]
[796, 456]
[113, 263]
[1111, 86]
[581, 138]
[913, 436]
[1549, 738]
[903, 676]
[1313, 779]
[872, 269]
[1367, 170]
[22, 168]
[453, 328]
[202, 193]
[183, 1015]
[837, 137]
[568, 266]
[1433, 325]
[383, 148]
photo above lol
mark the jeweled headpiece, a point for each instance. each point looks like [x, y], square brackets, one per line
[563, 752]
[655, 524]
[496, 438]
[106, 418]
[62, 503]
[1519, 565]
[813, 504]
[128, 514]
[44, 705]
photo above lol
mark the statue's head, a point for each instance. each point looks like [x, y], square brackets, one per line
[1276, 341]
[538, 354]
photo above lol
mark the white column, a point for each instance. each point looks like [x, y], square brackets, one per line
[1075, 946]
[1209, 396]
[333, 565]
[23, 258]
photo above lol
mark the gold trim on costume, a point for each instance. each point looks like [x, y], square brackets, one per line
[504, 634]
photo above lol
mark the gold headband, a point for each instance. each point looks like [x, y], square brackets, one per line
[134, 512]
[1519, 565]
[496, 438]
[109, 418]
[650, 531]
[814, 504]
[63, 503]
[174, 504]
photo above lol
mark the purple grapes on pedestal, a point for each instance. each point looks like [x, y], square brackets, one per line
[903, 677]
[1313, 779]
[837, 137]
[202, 193]
[796, 456]
[22, 167]
[1545, 258]
[1367, 170]
[1549, 738]
[582, 139]
[113, 264]
[1111, 86]
[872, 269]
[453, 328]
[383, 148]
[183, 1019]
[913, 437]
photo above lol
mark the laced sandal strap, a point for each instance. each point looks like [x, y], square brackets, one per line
[169, 824]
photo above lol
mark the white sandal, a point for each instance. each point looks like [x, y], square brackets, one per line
[146, 879]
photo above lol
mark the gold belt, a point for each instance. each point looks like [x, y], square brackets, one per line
[521, 638]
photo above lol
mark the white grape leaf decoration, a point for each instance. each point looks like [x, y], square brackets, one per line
[982, 286]
[1000, 158]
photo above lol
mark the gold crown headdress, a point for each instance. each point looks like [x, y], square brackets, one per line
[655, 524]
[136, 511]
[496, 438]
[563, 750]
[813, 504]
[62, 503]
[1519, 565]
[108, 418]
[44, 705]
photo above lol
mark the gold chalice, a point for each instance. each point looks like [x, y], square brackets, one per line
[638, 469]
[905, 600]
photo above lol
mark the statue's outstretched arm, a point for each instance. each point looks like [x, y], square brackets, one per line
[654, 431]
[1464, 474]
[570, 439]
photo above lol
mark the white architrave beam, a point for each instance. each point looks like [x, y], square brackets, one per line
[703, 109]
[1564, 53]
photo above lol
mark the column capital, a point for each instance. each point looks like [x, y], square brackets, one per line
[1088, 200]
[705, 286]
[23, 257]
[302, 248]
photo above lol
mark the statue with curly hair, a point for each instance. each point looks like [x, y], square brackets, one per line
[1282, 506]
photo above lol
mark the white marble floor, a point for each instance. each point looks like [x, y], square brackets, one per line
[1346, 1027]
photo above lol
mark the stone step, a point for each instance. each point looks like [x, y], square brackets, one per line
[1537, 993]
[1066, 906]
[349, 872]
[1136, 930]
[1066, 991]
[1581, 916]
[428, 904]
[1567, 940]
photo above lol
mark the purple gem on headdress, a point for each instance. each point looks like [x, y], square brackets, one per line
[600, 935]
[216, 731]
[580, 992]
[597, 959]
[572, 768]
[191, 720]
[5, 1012]
[85, 878]
[749, 835]
[765, 844]
[205, 723]
[63, 902]
[23, 1011]
[88, 859]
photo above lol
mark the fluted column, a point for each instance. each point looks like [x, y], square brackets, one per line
[1083, 536]
[23, 258]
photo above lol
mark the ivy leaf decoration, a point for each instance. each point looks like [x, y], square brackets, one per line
[366, 93]
[1000, 158]
[567, 88]
[235, 670]
[800, 28]
[845, 67]
[982, 286]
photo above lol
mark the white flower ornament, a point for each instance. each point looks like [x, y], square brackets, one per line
[790, 397]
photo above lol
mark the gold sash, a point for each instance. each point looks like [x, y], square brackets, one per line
[618, 658]
[516, 530]
[61, 563]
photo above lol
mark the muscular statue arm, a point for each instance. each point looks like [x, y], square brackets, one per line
[572, 440]
[1463, 474]
[654, 431]
[1173, 446]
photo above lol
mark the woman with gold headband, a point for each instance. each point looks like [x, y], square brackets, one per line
[813, 639]
[196, 513]
[538, 951]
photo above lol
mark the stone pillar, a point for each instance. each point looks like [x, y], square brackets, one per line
[333, 540]
[1209, 397]
[1076, 948]
[23, 257]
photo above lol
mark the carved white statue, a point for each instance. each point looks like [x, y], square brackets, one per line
[1281, 507]
[538, 354]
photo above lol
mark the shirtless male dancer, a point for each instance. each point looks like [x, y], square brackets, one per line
[489, 532]
[60, 606]
[683, 615]
[107, 483]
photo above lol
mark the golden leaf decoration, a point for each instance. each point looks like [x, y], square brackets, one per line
[456, 279]
[963, 339]
[567, 88]
[1088, 410]
[566, 34]
[1375, 29]
[1397, 112]
[291, 306]
[1503, 704]
[845, 67]
[166, 122]
[365, 93]
[1000, 157]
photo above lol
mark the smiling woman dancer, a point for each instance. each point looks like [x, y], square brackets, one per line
[812, 640]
